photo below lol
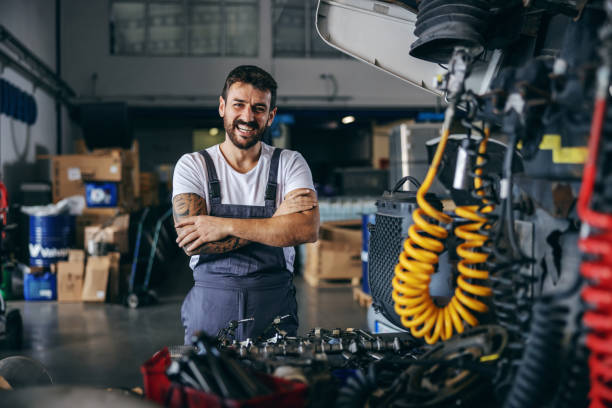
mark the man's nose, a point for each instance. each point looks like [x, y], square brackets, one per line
[247, 115]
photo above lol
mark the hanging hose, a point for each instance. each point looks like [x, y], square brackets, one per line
[417, 263]
[597, 267]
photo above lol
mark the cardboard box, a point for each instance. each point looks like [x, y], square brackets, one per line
[149, 189]
[91, 216]
[70, 277]
[116, 233]
[337, 253]
[97, 273]
[70, 172]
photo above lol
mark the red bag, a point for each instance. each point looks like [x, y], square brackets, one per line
[160, 389]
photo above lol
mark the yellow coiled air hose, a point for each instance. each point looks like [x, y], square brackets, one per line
[417, 262]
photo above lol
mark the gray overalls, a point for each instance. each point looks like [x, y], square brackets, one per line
[252, 281]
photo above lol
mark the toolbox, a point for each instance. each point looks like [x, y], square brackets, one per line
[159, 388]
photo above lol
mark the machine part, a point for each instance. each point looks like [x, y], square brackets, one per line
[20, 372]
[229, 332]
[537, 374]
[357, 390]
[452, 373]
[462, 168]
[443, 25]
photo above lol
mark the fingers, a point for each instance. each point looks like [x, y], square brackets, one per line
[297, 193]
[184, 232]
[185, 221]
[195, 244]
[188, 239]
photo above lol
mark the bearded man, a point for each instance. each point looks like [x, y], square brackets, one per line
[239, 209]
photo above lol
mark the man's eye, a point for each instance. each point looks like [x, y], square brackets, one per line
[237, 105]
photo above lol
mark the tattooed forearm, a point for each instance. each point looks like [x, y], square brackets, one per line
[218, 247]
[187, 205]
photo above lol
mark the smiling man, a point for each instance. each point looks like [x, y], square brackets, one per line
[239, 208]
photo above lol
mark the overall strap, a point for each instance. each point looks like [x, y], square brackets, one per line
[270, 197]
[214, 188]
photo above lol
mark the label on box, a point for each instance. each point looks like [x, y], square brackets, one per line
[74, 173]
[45, 293]
[100, 294]
[114, 169]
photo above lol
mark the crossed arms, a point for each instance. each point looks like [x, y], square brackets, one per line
[296, 221]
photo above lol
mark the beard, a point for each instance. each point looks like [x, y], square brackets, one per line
[239, 141]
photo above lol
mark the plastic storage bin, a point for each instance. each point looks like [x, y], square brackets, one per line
[40, 286]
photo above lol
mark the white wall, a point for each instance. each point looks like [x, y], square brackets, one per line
[85, 50]
[33, 23]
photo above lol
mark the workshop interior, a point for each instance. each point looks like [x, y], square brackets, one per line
[458, 151]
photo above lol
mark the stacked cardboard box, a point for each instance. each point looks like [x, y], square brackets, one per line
[70, 172]
[113, 232]
[336, 255]
[95, 279]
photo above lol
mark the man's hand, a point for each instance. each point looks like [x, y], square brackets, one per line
[302, 199]
[200, 229]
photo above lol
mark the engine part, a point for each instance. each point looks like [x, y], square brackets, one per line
[443, 25]
[452, 373]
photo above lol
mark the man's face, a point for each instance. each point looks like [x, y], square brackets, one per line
[246, 114]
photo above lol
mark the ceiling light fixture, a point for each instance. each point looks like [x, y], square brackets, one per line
[348, 119]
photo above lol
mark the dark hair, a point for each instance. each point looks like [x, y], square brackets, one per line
[250, 74]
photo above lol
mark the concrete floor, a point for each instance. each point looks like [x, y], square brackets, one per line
[103, 345]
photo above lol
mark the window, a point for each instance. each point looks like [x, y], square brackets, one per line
[295, 34]
[185, 27]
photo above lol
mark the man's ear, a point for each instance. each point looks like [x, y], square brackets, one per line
[221, 106]
[271, 116]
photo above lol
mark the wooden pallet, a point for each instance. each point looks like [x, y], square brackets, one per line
[361, 297]
[319, 282]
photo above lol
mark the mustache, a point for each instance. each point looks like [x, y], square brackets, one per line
[252, 123]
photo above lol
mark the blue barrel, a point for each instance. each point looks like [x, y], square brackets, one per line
[365, 239]
[51, 236]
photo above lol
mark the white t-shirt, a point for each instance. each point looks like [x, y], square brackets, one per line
[190, 176]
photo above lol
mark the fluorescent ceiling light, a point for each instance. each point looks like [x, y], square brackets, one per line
[213, 131]
[348, 119]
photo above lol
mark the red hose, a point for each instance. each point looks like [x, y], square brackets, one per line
[597, 266]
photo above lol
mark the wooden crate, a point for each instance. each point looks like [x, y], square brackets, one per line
[335, 259]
